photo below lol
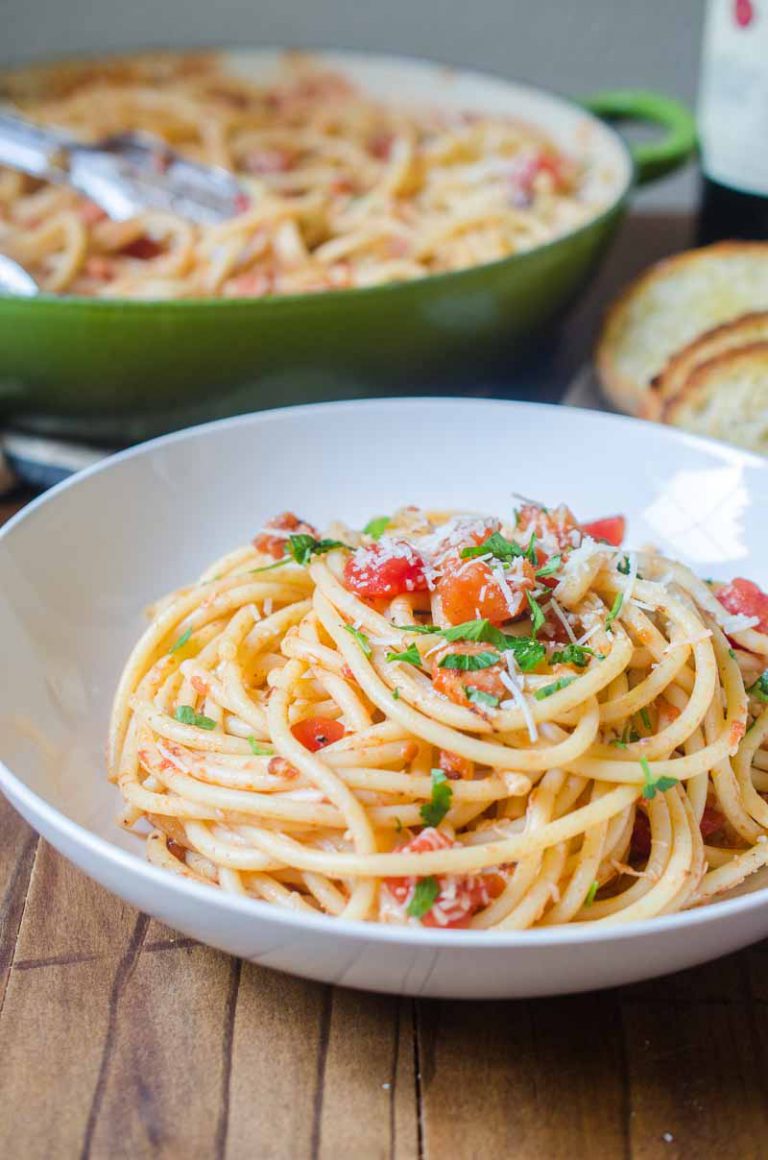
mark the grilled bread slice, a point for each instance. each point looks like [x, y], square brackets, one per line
[727, 398]
[670, 305]
[743, 331]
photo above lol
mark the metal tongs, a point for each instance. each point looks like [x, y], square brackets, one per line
[124, 175]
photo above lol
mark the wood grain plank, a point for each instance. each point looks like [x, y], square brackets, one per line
[369, 1067]
[697, 1079]
[18, 844]
[716, 982]
[278, 1032]
[526, 1079]
[163, 1081]
[54, 1027]
[68, 916]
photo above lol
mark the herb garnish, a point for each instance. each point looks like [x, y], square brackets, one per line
[181, 641]
[573, 654]
[425, 892]
[760, 688]
[479, 697]
[433, 811]
[303, 547]
[469, 662]
[376, 527]
[615, 610]
[411, 656]
[555, 687]
[258, 749]
[590, 898]
[537, 616]
[646, 719]
[395, 694]
[623, 566]
[360, 637]
[651, 784]
[528, 652]
[187, 716]
[551, 566]
[501, 548]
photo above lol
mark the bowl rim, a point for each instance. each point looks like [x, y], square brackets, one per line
[601, 219]
[101, 849]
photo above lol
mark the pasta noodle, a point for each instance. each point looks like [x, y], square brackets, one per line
[341, 190]
[452, 721]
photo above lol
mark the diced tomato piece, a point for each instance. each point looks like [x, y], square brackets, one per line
[392, 568]
[316, 732]
[144, 248]
[286, 522]
[611, 529]
[557, 523]
[454, 766]
[468, 590]
[459, 896]
[380, 145]
[743, 596]
[541, 559]
[711, 821]
[452, 682]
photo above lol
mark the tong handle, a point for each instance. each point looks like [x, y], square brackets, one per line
[39, 152]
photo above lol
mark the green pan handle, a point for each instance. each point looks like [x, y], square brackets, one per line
[652, 158]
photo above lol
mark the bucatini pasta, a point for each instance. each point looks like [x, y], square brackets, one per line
[341, 190]
[453, 721]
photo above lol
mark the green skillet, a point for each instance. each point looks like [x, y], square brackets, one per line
[122, 369]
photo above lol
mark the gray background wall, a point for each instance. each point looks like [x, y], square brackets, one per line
[572, 46]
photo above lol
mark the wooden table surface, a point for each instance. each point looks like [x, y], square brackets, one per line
[119, 1038]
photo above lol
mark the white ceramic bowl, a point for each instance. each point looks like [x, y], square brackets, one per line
[77, 567]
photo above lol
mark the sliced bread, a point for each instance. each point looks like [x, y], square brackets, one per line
[670, 305]
[726, 398]
[742, 331]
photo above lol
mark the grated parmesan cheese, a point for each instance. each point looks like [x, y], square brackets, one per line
[737, 622]
[510, 681]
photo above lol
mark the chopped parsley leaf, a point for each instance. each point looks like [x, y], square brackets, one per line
[501, 548]
[178, 644]
[615, 610]
[469, 662]
[537, 616]
[259, 749]
[591, 893]
[398, 826]
[760, 688]
[646, 719]
[411, 656]
[731, 654]
[651, 784]
[623, 566]
[551, 566]
[303, 547]
[433, 811]
[528, 652]
[360, 637]
[395, 694]
[573, 654]
[618, 743]
[479, 697]
[425, 893]
[187, 716]
[376, 527]
[555, 687]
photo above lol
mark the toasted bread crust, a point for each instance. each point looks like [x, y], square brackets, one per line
[745, 330]
[623, 390]
[726, 397]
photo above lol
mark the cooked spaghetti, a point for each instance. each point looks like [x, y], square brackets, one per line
[341, 190]
[452, 721]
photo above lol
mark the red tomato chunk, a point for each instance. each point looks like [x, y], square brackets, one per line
[460, 895]
[390, 569]
[745, 598]
[316, 732]
[611, 529]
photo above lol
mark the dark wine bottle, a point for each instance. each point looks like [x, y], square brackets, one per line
[733, 121]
